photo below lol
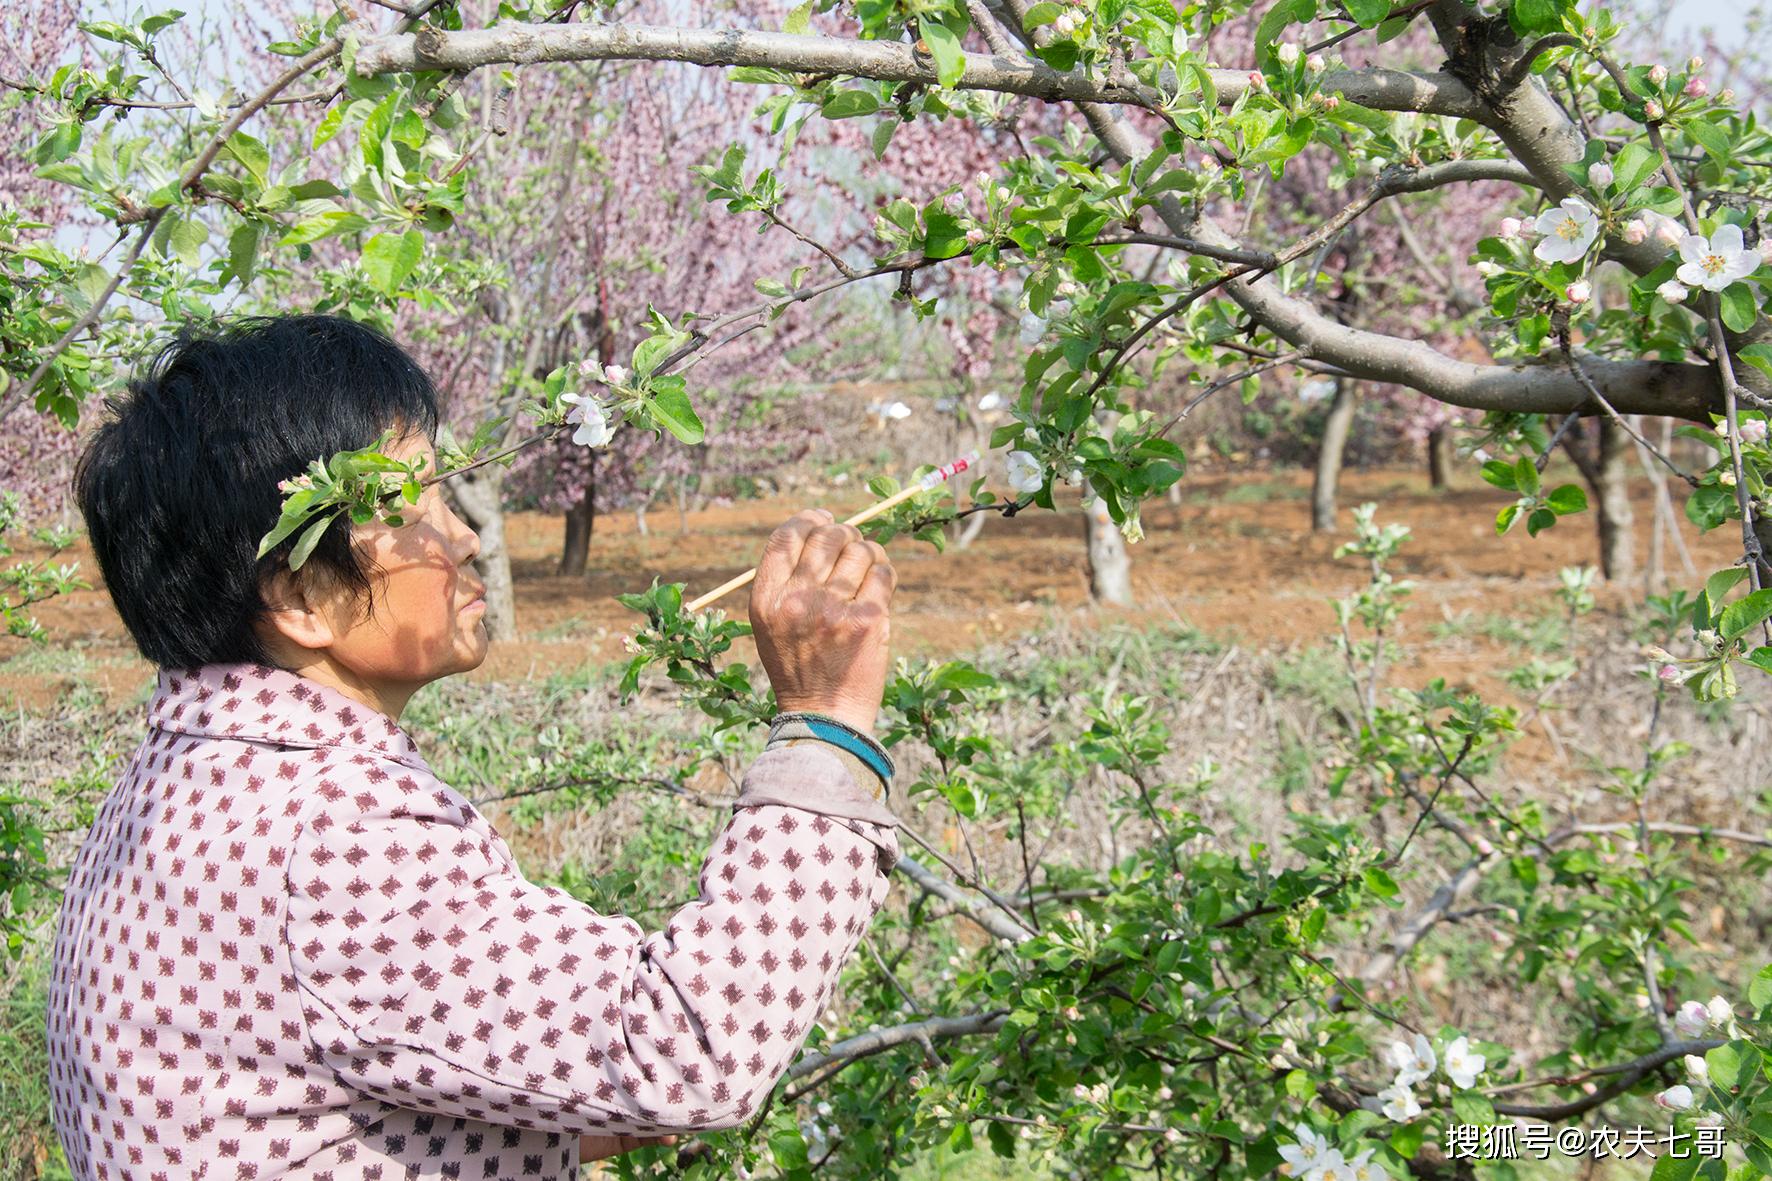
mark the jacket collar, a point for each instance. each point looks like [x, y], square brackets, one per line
[259, 702]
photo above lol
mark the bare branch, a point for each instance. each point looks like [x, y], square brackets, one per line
[876, 1041]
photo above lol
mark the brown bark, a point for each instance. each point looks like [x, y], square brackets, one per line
[1329, 456]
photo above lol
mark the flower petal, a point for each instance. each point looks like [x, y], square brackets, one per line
[1691, 274]
[1727, 239]
[1693, 248]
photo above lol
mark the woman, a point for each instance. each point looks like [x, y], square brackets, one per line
[288, 950]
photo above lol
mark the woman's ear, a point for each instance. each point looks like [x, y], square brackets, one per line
[297, 611]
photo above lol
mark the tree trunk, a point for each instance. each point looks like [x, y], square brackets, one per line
[1612, 490]
[479, 498]
[1439, 457]
[1110, 570]
[1329, 455]
[576, 548]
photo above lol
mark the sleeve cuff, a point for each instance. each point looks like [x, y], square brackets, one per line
[813, 775]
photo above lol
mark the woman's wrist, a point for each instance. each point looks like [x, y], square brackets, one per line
[862, 751]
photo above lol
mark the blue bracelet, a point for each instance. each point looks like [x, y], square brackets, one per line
[837, 733]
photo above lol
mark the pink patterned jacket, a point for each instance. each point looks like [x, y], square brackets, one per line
[287, 950]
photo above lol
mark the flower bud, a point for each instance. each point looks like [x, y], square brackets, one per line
[1669, 674]
[614, 374]
[1765, 249]
[1257, 81]
[1653, 110]
[1658, 74]
[1675, 1098]
[1753, 430]
[1580, 291]
[1726, 96]
[1599, 174]
[974, 236]
[1636, 231]
[1698, 1070]
[1669, 232]
[1694, 64]
[1488, 269]
[1691, 1019]
[1288, 53]
[1673, 291]
[1485, 846]
[1720, 1011]
[1330, 101]
[1695, 88]
[1726, 479]
[1510, 228]
[1315, 63]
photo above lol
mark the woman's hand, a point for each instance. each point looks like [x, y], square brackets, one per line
[604, 1147]
[820, 611]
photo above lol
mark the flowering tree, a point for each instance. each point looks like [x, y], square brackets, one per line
[1192, 1010]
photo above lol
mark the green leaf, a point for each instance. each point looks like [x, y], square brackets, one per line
[945, 238]
[305, 544]
[1369, 13]
[243, 250]
[1566, 499]
[670, 405]
[389, 258]
[1725, 1065]
[1711, 138]
[323, 225]
[1745, 613]
[1504, 520]
[1736, 302]
[1634, 164]
[252, 155]
[1526, 475]
[1759, 989]
[846, 104]
[1709, 506]
[1380, 882]
[185, 237]
[1759, 356]
[944, 47]
[1539, 520]
[1501, 474]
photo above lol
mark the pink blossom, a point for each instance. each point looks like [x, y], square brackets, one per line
[1636, 231]
[1658, 74]
[1653, 110]
[1695, 88]
[1510, 228]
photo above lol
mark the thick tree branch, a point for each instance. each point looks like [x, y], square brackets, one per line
[877, 1041]
[888, 61]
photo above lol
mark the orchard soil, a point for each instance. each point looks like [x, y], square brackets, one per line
[1236, 560]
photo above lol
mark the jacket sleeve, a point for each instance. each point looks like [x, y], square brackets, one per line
[435, 976]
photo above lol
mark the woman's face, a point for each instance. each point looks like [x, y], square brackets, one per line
[428, 616]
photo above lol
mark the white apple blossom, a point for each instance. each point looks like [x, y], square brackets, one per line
[1697, 1069]
[1691, 1019]
[1675, 1098]
[1363, 1169]
[593, 424]
[1308, 1153]
[1288, 53]
[1720, 1011]
[1025, 474]
[1599, 174]
[1413, 1061]
[1568, 231]
[1717, 261]
[1397, 1102]
[1462, 1066]
[1489, 269]
[1673, 291]
[1753, 430]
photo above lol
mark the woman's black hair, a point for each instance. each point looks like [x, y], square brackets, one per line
[179, 484]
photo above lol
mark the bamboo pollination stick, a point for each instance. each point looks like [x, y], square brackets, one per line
[970, 459]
